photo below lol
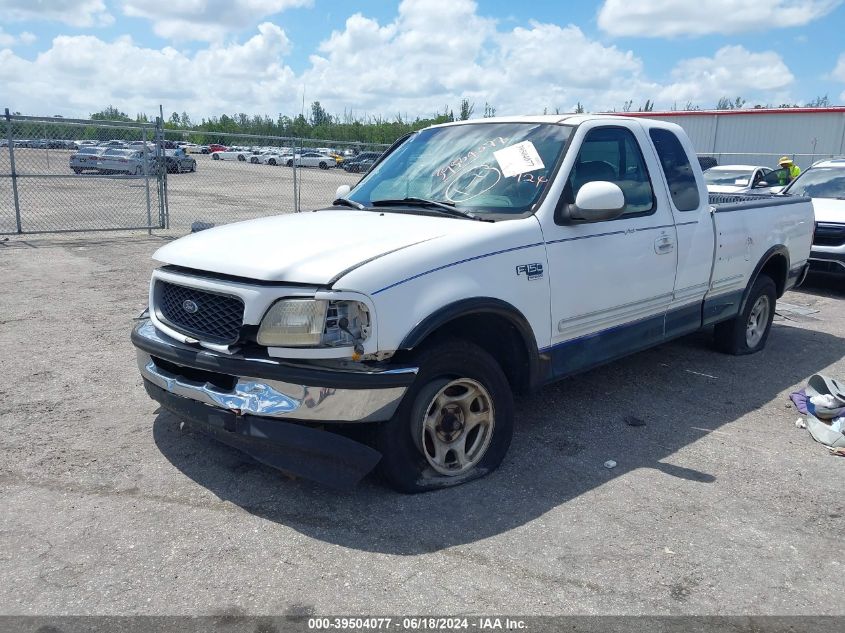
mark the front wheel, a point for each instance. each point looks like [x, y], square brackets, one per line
[272, 161]
[215, 156]
[323, 165]
[454, 424]
[748, 332]
[254, 160]
[241, 157]
[290, 163]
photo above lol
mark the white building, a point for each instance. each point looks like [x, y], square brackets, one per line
[761, 136]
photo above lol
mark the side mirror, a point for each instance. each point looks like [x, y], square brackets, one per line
[342, 191]
[597, 201]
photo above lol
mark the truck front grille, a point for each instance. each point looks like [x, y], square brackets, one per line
[203, 315]
[829, 234]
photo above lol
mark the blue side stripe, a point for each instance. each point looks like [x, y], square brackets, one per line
[462, 261]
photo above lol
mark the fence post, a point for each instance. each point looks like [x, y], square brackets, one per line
[14, 173]
[295, 187]
[147, 180]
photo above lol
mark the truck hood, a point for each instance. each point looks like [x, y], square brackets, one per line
[310, 248]
[829, 210]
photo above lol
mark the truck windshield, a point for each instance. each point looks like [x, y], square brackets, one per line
[819, 182]
[482, 168]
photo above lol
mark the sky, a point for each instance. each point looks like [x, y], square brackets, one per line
[412, 58]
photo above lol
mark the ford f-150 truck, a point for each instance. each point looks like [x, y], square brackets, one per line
[475, 261]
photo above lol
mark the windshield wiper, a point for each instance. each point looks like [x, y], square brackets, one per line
[346, 202]
[446, 208]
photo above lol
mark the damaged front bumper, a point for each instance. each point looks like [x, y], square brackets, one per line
[269, 408]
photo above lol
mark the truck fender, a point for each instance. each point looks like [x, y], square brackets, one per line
[481, 306]
[775, 251]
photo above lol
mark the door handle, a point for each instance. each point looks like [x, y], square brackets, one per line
[663, 244]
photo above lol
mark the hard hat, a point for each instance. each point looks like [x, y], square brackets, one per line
[784, 159]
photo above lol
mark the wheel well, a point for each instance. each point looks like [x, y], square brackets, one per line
[776, 268]
[495, 334]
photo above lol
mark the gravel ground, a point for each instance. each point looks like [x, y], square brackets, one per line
[718, 505]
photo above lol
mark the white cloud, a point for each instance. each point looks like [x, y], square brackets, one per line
[70, 78]
[206, 20]
[668, 18]
[7, 40]
[79, 13]
[732, 71]
[420, 61]
[839, 72]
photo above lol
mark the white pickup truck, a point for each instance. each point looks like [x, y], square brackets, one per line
[475, 260]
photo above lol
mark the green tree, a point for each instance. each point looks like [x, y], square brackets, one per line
[110, 113]
[466, 110]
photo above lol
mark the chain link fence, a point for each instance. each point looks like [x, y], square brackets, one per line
[59, 175]
[244, 176]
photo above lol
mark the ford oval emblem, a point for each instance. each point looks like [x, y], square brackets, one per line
[189, 306]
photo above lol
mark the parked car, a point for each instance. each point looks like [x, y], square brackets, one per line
[311, 159]
[177, 161]
[824, 182]
[239, 154]
[121, 161]
[216, 147]
[735, 178]
[270, 158]
[85, 158]
[361, 163]
[475, 261]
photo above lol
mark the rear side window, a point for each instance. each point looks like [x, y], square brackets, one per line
[676, 168]
[612, 154]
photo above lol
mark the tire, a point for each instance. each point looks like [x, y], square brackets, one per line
[290, 163]
[241, 158]
[215, 156]
[77, 171]
[323, 165]
[748, 332]
[409, 445]
[193, 166]
[272, 161]
[254, 160]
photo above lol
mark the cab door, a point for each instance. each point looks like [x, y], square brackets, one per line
[611, 281]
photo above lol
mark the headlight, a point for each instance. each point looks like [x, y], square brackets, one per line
[293, 323]
[313, 323]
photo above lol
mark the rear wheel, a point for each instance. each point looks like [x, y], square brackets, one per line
[272, 161]
[290, 163]
[748, 332]
[454, 424]
[216, 156]
[323, 165]
[241, 157]
[254, 160]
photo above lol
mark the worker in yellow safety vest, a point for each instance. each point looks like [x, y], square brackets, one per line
[790, 170]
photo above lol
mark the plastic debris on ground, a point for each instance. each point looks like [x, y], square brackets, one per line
[632, 420]
[610, 464]
[824, 401]
[800, 423]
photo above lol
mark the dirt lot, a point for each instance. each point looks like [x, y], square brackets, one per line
[53, 198]
[718, 505]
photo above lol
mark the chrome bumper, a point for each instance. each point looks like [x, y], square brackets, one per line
[269, 388]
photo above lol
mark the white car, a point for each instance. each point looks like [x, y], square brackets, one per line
[735, 178]
[123, 161]
[241, 155]
[824, 182]
[269, 158]
[476, 260]
[312, 159]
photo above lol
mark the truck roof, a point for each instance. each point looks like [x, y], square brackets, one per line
[567, 118]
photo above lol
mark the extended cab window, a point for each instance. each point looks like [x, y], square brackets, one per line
[676, 168]
[612, 154]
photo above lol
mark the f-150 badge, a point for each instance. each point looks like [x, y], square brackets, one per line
[531, 271]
